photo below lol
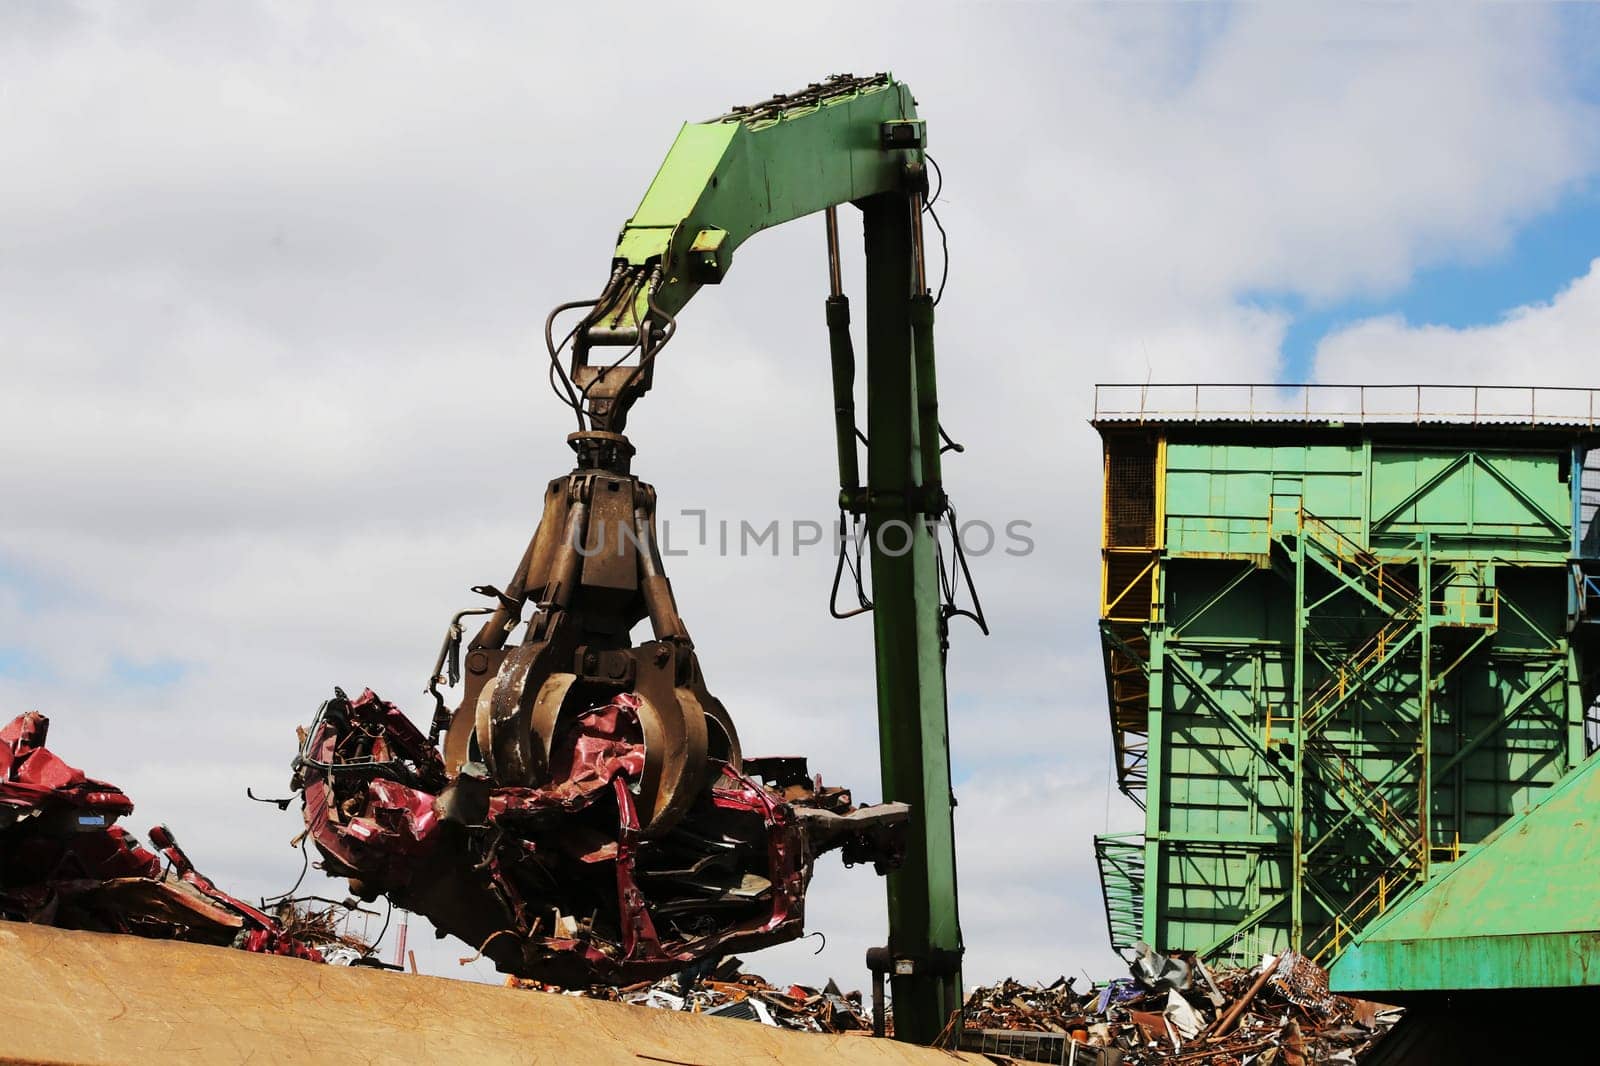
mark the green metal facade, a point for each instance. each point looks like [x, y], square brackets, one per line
[1338, 658]
[1523, 904]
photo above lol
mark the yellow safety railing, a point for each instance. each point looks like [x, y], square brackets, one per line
[1110, 602]
[1449, 851]
[1367, 904]
[1338, 683]
[1475, 605]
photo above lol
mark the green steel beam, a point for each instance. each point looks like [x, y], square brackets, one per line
[1422, 490]
[1511, 710]
[924, 925]
[1425, 776]
[1556, 526]
[725, 180]
[1577, 743]
[1192, 681]
[1155, 784]
[1245, 924]
[1228, 586]
[1190, 836]
[1297, 913]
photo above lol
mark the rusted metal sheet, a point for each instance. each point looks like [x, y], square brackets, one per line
[96, 998]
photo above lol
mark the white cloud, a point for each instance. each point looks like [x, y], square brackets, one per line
[1545, 344]
[271, 280]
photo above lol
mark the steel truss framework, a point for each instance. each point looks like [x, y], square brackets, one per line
[1336, 663]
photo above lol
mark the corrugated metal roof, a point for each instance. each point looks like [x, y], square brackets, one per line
[1316, 404]
[1181, 418]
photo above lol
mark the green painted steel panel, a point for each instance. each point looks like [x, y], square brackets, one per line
[1518, 501]
[1522, 907]
[1221, 498]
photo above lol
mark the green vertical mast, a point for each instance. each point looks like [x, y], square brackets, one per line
[847, 140]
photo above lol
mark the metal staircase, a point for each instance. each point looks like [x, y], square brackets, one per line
[1121, 860]
[1369, 843]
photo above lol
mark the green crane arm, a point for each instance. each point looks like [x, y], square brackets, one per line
[835, 142]
[729, 178]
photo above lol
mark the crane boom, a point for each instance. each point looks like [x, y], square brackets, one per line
[754, 168]
[835, 142]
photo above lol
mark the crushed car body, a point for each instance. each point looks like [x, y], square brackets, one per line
[65, 862]
[559, 881]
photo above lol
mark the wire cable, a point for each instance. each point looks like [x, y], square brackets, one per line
[372, 949]
[668, 333]
[637, 345]
[570, 395]
[944, 246]
[944, 238]
[864, 604]
[958, 575]
[305, 867]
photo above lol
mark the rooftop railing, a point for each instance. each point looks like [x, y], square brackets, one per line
[1551, 405]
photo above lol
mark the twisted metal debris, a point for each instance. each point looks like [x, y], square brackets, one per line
[724, 991]
[1277, 1014]
[562, 881]
[65, 862]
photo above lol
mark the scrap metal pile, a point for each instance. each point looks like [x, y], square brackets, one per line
[726, 992]
[65, 862]
[1176, 1010]
[559, 880]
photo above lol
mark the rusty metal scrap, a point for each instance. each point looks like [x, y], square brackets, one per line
[1278, 1014]
[725, 991]
[560, 881]
[64, 862]
[1014, 1005]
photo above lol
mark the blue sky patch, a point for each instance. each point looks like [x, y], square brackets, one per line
[148, 673]
[18, 664]
[1545, 257]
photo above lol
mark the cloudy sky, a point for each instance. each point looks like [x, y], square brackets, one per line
[272, 276]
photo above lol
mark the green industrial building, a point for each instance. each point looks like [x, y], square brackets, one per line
[1346, 640]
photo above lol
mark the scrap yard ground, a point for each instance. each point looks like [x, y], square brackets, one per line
[96, 998]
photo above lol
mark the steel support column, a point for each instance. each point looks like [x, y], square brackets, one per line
[1155, 788]
[1297, 920]
[1425, 713]
[914, 748]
